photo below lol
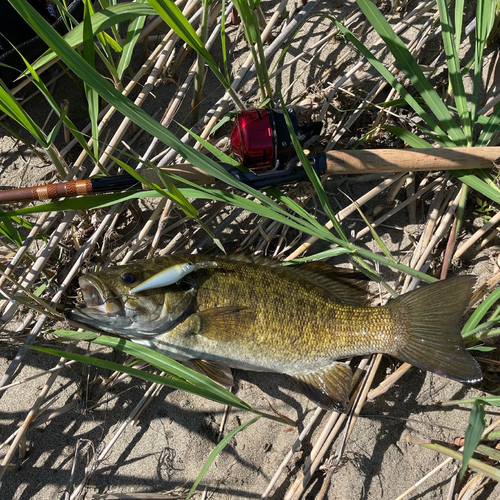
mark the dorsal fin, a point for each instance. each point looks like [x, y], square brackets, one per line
[348, 286]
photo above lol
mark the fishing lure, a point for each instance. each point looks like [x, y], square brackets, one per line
[171, 275]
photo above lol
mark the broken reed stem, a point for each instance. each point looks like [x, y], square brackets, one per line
[353, 416]
[399, 207]
[289, 455]
[31, 415]
[476, 236]
[474, 463]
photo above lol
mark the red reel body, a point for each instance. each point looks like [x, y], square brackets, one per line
[261, 141]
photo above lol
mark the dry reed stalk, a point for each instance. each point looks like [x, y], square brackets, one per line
[34, 271]
[134, 244]
[164, 217]
[399, 207]
[487, 240]
[289, 455]
[17, 258]
[484, 289]
[430, 224]
[345, 213]
[476, 236]
[34, 377]
[326, 439]
[441, 230]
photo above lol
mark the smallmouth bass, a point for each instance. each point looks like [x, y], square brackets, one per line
[254, 314]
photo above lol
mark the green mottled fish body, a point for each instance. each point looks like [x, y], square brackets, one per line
[296, 320]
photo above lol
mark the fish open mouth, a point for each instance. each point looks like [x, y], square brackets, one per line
[100, 298]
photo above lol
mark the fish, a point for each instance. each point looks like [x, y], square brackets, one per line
[255, 314]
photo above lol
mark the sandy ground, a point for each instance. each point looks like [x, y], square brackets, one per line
[164, 450]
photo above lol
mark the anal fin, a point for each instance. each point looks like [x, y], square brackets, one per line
[329, 387]
[218, 372]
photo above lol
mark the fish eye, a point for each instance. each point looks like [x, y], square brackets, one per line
[128, 278]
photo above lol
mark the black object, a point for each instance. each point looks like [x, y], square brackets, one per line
[15, 30]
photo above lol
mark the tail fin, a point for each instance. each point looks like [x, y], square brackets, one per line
[434, 316]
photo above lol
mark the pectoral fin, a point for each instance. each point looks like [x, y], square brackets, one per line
[225, 323]
[328, 388]
[218, 372]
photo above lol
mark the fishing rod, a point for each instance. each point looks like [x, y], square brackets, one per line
[330, 163]
[261, 142]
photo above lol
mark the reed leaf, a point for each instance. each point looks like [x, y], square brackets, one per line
[480, 312]
[390, 78]
[101, 21]
[454, 72]
[133, 31]
[473, 433]
[412, 70]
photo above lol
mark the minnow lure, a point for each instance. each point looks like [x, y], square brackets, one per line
[171, 275]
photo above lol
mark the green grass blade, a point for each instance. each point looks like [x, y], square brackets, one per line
[311, 173]
[459, 16]
[389, 77]
[473, 434]
[10, 232]
[10, 106]
[149, 377]
[492, 125]
[165, 364]
[481, 311]
[473, 181]
[171, 191]
[223, 39]
[89, 56]
[133, 31]
[216, 451]
[375, 235]
[454, 71]
[220, 155]
[101, 21]
[412, 70]
[487, 400]
[410, 138]
[334, 252]
[485, 15]
[481, 328]
[60, 112]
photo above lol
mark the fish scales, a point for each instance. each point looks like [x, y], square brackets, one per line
[294, 320]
